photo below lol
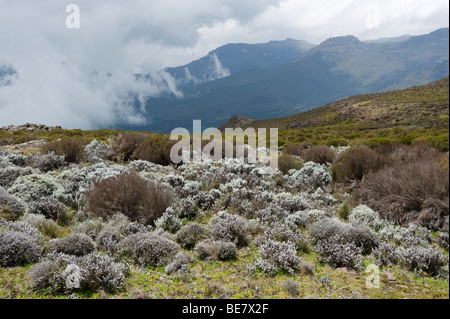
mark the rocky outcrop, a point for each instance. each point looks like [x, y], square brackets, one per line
[29, 127]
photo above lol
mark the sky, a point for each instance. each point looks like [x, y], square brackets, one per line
[82, 77]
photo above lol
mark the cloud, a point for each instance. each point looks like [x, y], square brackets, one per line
[85, 78]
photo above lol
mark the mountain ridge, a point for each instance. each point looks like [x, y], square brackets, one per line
[317, 77]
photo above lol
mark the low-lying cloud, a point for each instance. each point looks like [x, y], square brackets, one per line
[86, 78]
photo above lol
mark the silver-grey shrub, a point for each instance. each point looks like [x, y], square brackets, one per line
[49, 162]
[18, 249]
[358, 234]
[365, 215]
[169, 221]
[149, 249]
[276, 256]
[336, 251]
[96, 152]
[10, 205]
[76, 245]
[50, 208]
[108, 240]
[95, 272]
[386, 254]
[189, 235]
[24, 228]
[10, 174]
[443, 240]
[307, 217]
[180, 264]
[423, 259]
[33, 187]
[232, 228]
[215, 250]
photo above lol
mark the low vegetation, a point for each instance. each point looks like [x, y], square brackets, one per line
[107, 212]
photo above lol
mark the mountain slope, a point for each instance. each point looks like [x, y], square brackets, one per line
[338, 68]
[420, 106]
[236, 58]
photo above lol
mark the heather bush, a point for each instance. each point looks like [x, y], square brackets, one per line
[189, 208]
[271, 213]
[336, 251]
[307, 217]
[134, 228]
[207, 200]
[409, 192]
[288, 162]
[33, 187]
[327, 228]
[319, 154]
[96, 152]
[288, 232]
[355, 163]
[49, 162]
[18, 249]
[358, 234]
[142, 166]
[189, 235]
[169, 221]
[232, 228]
[292, 287]
[129, 194]
[46, 226]
[311, 176]
[91, 227]
[179, 265]
[108, 240]
[18, 159]
[292, 203]
[297, 149]
[155, 149]
[70, 147]
[95, 272]
[215, 250]
[443, 240]
[149, 249]
[386, 254]
[412, 235]
[76, 244]
[50, 208]
[10, 174]
[126, 144]
[276, 256]
[422, 259]
[365, 215]
[24, 228]
[10, 206]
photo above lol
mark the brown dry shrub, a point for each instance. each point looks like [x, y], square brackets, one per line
[356, 162]
[319, 154]
[297, 149]
[126, 144]
[71, 147]
[409, 192]
[155, 149]
[405, 153]
[129, 194]
[287, 162]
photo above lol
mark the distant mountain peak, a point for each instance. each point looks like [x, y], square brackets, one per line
[342, 41]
